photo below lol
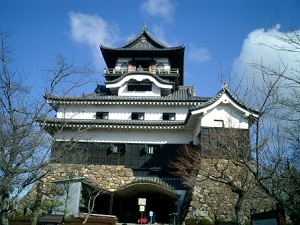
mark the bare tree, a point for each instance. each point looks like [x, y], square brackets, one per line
[224, 165]
[92, 193]
[275, 134]
[24, 146]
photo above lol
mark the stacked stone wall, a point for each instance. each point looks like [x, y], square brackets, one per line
[108, 177]
[216, 201]
[209, 199]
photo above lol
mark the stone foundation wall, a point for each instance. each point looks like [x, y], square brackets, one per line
[216, 201]
[212, 200]
[108, 177]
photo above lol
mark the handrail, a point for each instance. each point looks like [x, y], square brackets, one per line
[112, 71]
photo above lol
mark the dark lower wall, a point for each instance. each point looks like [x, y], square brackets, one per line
[142, 158]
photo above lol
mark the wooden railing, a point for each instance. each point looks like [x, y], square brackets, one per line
[113, 71]
[83, 215]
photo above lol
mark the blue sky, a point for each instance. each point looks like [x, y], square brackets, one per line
[220, 35]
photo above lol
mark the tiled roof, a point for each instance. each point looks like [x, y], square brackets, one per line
[224, 90]
[152, 184]
[152, 49]
[144, 32]
[102, 123]
[183, 94]
[134, 44]
[172, 183]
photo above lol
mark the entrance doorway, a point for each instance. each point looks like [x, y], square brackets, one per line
[123, 203]
[161, 205]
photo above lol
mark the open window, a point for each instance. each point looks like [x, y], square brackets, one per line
[139, 86]
[168, 116]
[102, 115]
[160, 67]
[150, 149]
[124, 67]
[117, 148]
[137, 116]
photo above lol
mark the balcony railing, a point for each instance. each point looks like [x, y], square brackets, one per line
[114, 71]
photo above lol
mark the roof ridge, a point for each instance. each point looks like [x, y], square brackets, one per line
[144, 32]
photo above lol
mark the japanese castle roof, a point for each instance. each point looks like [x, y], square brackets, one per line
[184, 96]
[144, 44]
[233, 97]
[151, 184]
[113, 124]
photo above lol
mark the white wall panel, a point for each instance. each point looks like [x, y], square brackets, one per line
[129, 136]
[123, 112]
[224, 112]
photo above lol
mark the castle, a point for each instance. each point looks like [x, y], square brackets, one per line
[122, 136]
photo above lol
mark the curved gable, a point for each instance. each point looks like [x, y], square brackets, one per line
[223, 110]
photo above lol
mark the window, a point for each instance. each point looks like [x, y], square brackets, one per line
[168, 116]
[124, 65]
[137, 116]
[160, 66]
[114, 149]
[150, 149]
[117, 148]
[102, 115]
[139, 86]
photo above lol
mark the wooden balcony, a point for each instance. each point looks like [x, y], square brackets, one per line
[118, 72]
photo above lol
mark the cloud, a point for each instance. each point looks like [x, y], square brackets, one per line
[261, 46]
[92, 30]
[199, 55]
[164, 9]
[159, 34]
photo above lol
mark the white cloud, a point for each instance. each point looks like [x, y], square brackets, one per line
[159, 8]
[196, 54]
[258, 48]
[92, 30]
[159, 34]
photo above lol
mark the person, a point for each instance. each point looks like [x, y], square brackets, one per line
[140, 68]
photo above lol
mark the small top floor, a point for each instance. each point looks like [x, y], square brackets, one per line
[145, 53]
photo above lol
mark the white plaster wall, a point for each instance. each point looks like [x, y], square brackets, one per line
[197, 128]
[122, 112]
[162, 136]
[231, 117]
[70, 201]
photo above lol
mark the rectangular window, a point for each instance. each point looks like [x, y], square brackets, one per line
[168, 116]
[139, 87]
[102, 115]
[150, 149]
[137, 116]
[117, 148]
